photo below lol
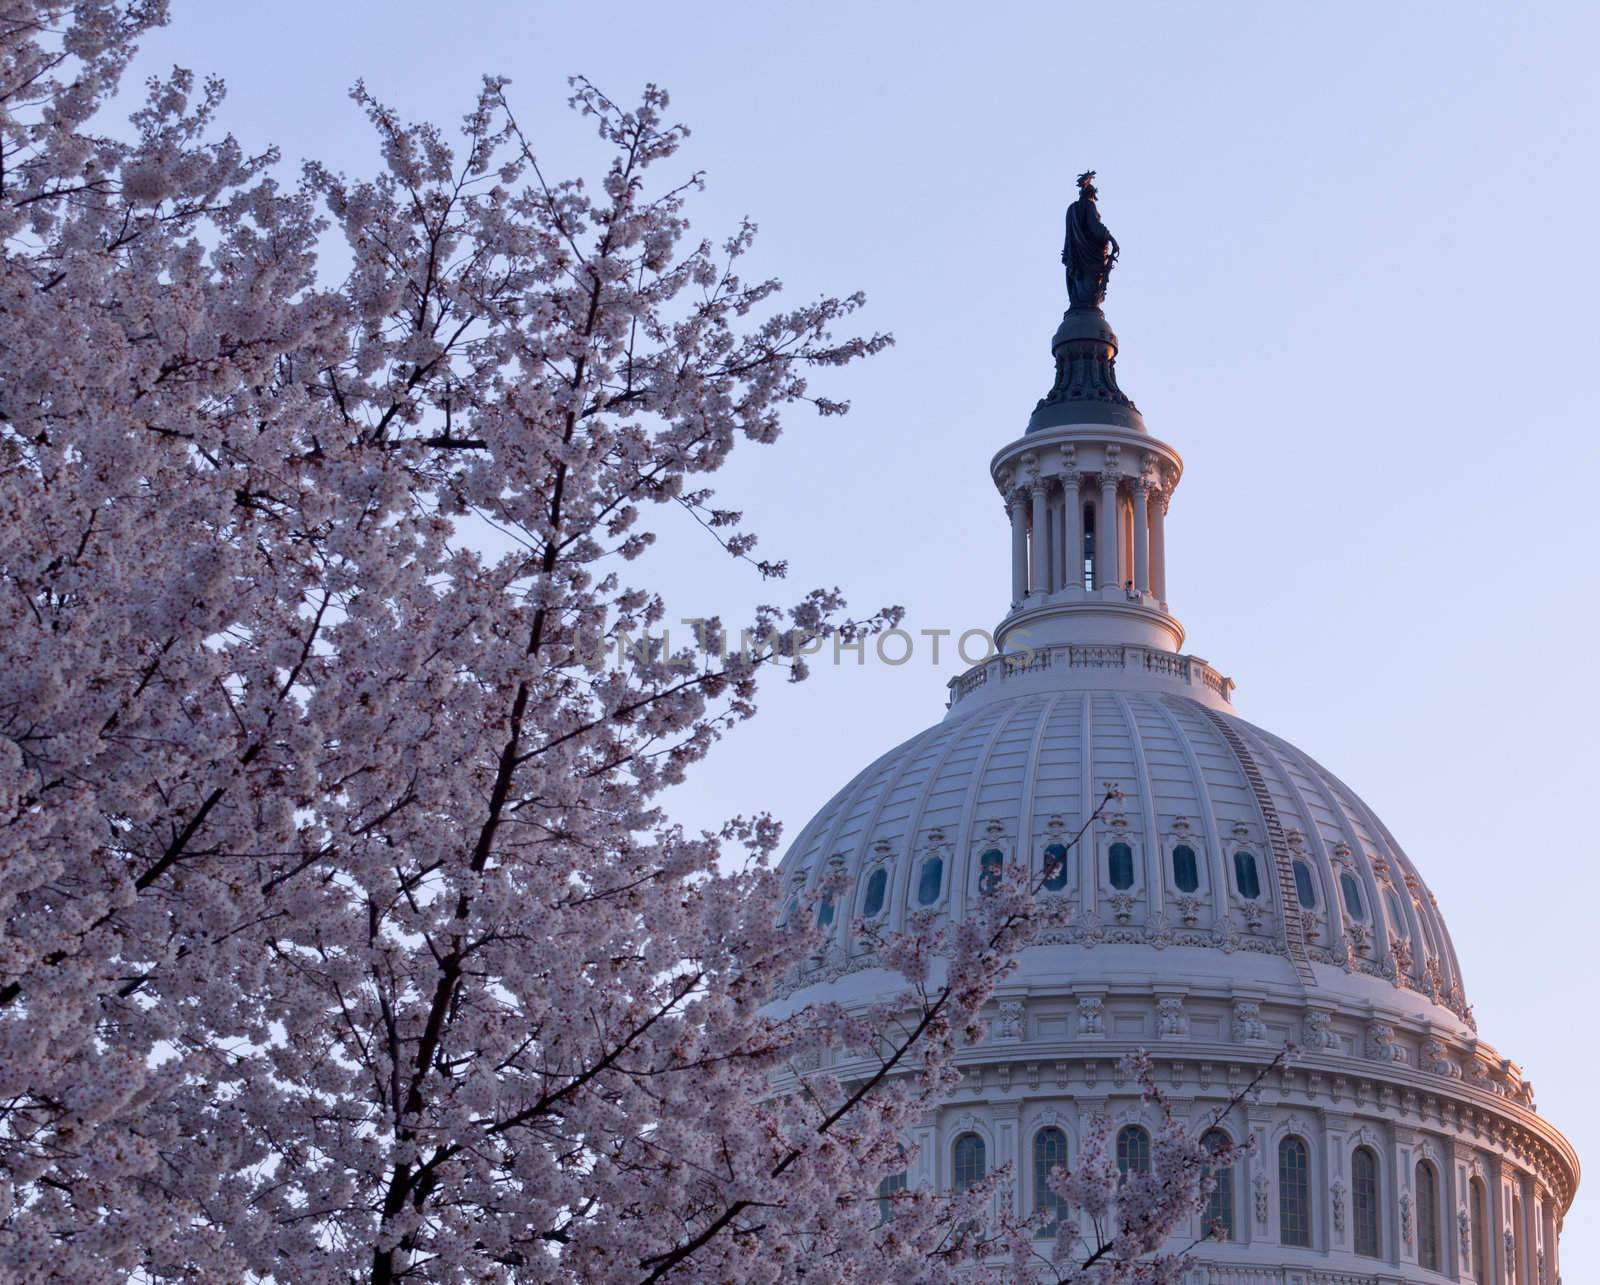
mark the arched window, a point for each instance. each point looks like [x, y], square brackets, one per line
[970, 1164]
[1294, 1192]
[989, 866]
[1352, 895]
[931, 881]
[1304, 888]
[1119, 863]
[1480, 1230]
[1246, 875]
[1364, 1200]
[1516, 1240]
[1219, 1204]
[1185, 869]
[1398, 916]
[1427, 1216]
[877, 889]
[1133, 1149]
[1056, 867]
[825, 912]
[1049, 1151]
[891, 1183]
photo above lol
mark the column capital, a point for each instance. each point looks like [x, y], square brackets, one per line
[1038, 486]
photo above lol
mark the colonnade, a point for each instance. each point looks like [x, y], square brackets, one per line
[1088, 531]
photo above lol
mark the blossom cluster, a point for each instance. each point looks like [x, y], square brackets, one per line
[344, 935]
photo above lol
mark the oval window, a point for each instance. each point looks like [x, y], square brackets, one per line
[931, 882]
[1246, 875]
[1352, 895]
[877, 887]
[1119, 862]
[1185, 869]
[989, 865]
[1303, 887]
[1056, 869]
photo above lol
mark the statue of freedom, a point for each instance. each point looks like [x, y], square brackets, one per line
[1090, 249]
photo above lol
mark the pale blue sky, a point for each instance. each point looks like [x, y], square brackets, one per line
[1358, 294]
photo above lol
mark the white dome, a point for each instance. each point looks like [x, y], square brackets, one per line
[1020, 762]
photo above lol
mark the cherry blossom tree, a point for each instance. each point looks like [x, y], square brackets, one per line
[345, 936]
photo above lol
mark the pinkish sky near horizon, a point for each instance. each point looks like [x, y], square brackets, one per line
[1357, 294]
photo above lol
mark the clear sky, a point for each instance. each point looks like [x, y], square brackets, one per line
[1357, 293]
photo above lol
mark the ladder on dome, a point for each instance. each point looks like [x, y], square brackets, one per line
[1294, 928]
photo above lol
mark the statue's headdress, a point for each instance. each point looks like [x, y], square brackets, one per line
[1086, 180]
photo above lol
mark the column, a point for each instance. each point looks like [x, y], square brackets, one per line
[1106, 573]
[1072, 509]
[1158, 547]
[1041, 538]
[1141, 535]
[1016, 505]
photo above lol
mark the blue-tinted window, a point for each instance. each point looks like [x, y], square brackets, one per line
[1219, 1204]
[877, 887]
[1185, 869]
[1246, 875]
[1049, 1151]
[1133, 1150]
[1120, 866]
[1303, 885]
[1397, 915]
[1055, 862]
[931, 882]
[989, 866]
[825, 912]
[1294, 1192]
[970, 1162]
[1352, 895]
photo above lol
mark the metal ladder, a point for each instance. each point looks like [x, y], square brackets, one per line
[1294, 929]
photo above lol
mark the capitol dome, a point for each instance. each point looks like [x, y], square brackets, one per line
[1232, 896]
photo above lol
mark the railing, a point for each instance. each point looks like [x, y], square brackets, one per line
[1168, 664]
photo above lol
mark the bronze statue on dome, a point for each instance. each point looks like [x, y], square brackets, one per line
[1090, 249]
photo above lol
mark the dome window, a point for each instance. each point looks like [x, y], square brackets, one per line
[971, 1164]
[1049, 1151]
[825, 913]
[1294, 1192]
[1133, 1149]
[1057, 871]
[1185, 869]
[1479, 1258]
[877, 889]
[1246, 875]
[1352, 895]
[1219, 1204]
[1364, 1200]
[1304, 888]
[1427, 1216]
[1397, 915]
[891, 1183]
[931, 882]
[1119, 862]
[989, 868]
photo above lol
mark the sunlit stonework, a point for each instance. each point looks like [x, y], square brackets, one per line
[1236, 897]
